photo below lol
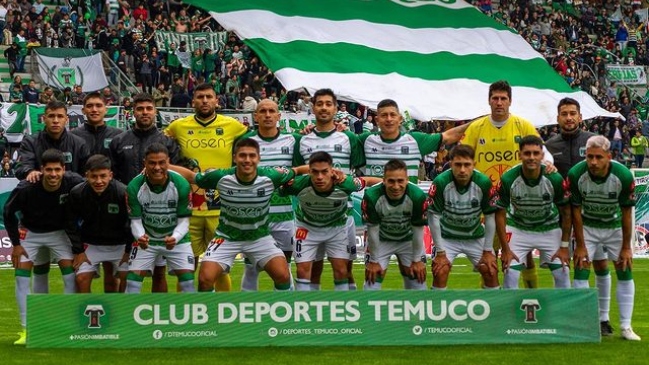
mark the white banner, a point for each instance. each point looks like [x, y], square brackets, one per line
[61, 68]
[295, 122]
[627, 75]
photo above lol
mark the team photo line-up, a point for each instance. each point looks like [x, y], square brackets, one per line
[144, 201]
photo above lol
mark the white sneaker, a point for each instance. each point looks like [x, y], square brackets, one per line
[628, 334]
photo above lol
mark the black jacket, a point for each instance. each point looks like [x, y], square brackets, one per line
[97, 138]
[32, 147]
[42, 211]
[568, 149]
[100, 220]
[127, 151]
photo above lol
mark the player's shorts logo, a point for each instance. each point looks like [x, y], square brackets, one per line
[301, 233]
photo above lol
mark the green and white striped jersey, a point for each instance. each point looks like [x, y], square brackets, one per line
[601, 198]
[344, 147]
[395, 218]
[461, 208]
[244, 205]
[277, 152]
[159, 206]
[409, 147]
[531, 205]
[322, 209]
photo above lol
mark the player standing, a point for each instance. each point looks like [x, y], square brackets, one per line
[602, 206]
[395, 212]
[528, 217]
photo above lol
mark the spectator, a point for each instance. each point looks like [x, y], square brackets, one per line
[31, 93]
[639, 145]
[109, 97]
[7, 170]
[16, 95]
[78, 95]
[46, 96]
[160, 96]
[11, 54]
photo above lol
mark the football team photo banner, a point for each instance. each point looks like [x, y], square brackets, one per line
[326, 318]
[66, 67]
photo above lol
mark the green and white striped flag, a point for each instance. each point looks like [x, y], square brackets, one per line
[436, 58]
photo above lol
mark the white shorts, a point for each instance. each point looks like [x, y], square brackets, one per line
[283, 233]
[351, 242]
[472, 248]
[310, 241]
[523, 242]
[603, 243]
[351, 236]
[181, 257]
[259, 252]
[38, 246]
[384, 250]
[98, 254]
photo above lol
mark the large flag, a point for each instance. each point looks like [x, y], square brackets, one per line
[435, 58]
[66, 67]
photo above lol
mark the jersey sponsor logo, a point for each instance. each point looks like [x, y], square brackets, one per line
[244, 212]
[113, 208]
[530, 307]
[286, 151]
[190, 132]
[405, 150]
[219, 131]
[338, 148]
[94, 312]
[375, 170]
[159, 221]
[171, 203]
[481, 141]
[203, 143]
[498, 156]
[301, 233]
[261, 192]
[475, 203]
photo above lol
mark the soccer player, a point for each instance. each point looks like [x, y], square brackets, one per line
[159, 208]
[208, 138]
[322, 219]
[127, 157]
[246, 191]
[41, 227]
[95, 131]
[569, 148]
[276, 151]
[54, 135]
[457, 200]
[389, 143]
[97, 209]
[395, 212]
[528, 217]
[75, 152]
[494, 138]
[97, 136]
[602, 204]
[346, 151]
